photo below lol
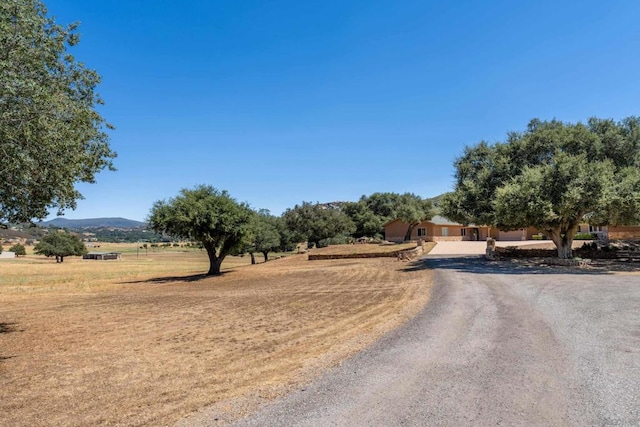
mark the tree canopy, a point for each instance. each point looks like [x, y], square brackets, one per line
[316, 222]
[370, 213]
[553, 176]
[60, 245]
[265, 236]
[262, 235]
[51, 135]
[206, 215]
[18, 249]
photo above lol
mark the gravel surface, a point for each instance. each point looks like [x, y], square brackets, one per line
[498, 343]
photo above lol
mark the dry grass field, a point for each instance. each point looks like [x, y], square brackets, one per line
[362, 249]
[148, 340]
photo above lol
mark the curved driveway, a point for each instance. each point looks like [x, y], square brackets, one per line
[497, 344]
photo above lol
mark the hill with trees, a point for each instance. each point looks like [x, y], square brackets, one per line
[79, 224]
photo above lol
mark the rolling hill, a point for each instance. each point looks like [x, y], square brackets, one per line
[122, 223]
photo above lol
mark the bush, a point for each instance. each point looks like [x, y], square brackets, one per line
[337, 240]
[585, 236]
[18, 249]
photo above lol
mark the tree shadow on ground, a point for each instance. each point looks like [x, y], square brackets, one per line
[480, 265]
[172, 279]
[5, 328]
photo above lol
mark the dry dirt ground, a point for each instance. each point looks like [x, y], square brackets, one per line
[149, 340]
[499, 343]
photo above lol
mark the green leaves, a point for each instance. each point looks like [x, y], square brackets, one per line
[18, 249]
[60, 245]
[553, 176]
[315, 222]
[207, 215]
[51, 136]
[370, 213]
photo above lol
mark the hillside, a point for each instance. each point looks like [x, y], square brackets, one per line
[121, 223]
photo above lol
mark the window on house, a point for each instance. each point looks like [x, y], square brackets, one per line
[463, 232]
[445, 231]
[595, 228]
[422, 232]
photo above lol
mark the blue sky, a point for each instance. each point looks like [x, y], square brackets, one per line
[280, 102]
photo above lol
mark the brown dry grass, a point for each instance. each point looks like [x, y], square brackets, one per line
[368, 248]
[149, 340]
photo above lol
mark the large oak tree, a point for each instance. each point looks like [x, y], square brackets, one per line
[206, 215]
[51, 135]
[553, 176]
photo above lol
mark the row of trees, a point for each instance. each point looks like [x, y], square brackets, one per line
[225, 227]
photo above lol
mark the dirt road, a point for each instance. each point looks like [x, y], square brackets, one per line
[496, 344]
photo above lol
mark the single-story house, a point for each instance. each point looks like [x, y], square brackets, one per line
[440, 229]
[102, 255]
[631, 232]
[613, 232]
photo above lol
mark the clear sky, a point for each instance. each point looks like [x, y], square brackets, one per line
[280, 102]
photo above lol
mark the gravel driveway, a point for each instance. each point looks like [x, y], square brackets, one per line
[497, 344]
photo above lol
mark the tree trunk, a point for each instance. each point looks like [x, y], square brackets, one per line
[214, 261]
[565, 251]
[253, 258]
[563, 239]
[61, 258]
[266, 255]
[407, 236]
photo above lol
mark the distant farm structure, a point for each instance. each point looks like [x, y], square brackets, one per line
[103, 256]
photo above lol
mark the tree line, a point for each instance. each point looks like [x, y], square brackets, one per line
[225, 226]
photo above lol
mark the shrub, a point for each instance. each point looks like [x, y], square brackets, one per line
[18, 249]
[337, 240]
[585, 236]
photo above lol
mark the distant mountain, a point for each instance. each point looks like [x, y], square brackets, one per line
[93, 223]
